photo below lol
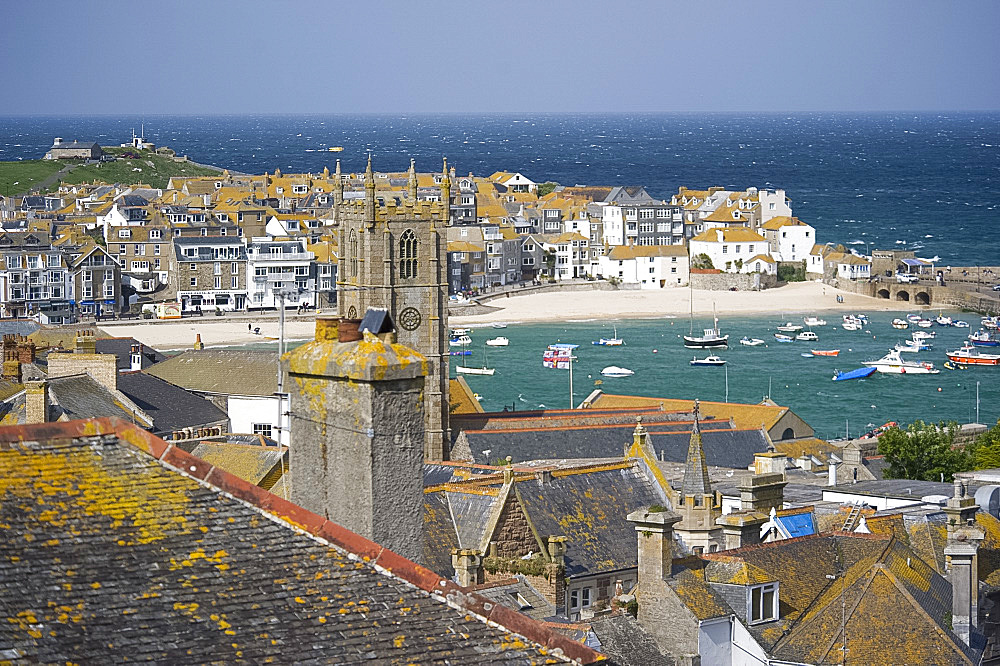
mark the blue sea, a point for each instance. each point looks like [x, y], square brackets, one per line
[926, 182]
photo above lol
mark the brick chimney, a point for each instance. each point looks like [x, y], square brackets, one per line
[357, 423]
[102, 367]
[468, 565]
[36, 402]
[85, 342]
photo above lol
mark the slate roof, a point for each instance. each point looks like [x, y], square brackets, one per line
[122, 348]
[248, 462]
[624, 641]
[109, 553]
[76, 397]
[695, 480]
[24, 327]
[589, 507]
[507, 591]
[171, 407]
[222, 371]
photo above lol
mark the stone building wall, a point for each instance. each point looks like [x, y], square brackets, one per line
[725, 281]
[102, 367]
[513, 535]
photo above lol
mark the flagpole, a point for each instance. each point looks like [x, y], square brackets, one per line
[571, 357]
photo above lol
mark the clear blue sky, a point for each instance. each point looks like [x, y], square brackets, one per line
[252, 56]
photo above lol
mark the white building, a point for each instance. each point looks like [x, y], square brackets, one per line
[789, 238]
[514, 182]
[851, 266]
[729, 249]
[278, 266]
[649, 266]
[571, 251]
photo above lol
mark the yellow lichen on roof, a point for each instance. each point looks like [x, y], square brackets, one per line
[730, 235]
[461, 399]
[624, 252]
[809, 446]
[761, 257]
[688, 582]
[744, 416]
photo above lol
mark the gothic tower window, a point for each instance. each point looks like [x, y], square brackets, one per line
[408, 255]
[354, 253]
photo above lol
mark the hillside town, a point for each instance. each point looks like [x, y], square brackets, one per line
[348, 500]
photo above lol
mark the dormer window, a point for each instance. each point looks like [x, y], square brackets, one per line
[124, 233]
[279, 190]
[763, 606]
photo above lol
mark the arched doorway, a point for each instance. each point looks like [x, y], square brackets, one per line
[883, 293]
[922, 298]
[903, 296]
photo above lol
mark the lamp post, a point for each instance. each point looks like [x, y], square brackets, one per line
[843, 616]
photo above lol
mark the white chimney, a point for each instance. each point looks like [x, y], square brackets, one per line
[136, 357]
[833, 463]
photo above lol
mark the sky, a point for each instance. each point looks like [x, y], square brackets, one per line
[256, 56]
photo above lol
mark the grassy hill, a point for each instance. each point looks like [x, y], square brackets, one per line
[145, 167]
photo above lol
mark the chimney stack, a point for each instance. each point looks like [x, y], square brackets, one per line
[468, 566]
[833, 463]
[656, 543]
[358, 424]
[36, 402]
[85, 342]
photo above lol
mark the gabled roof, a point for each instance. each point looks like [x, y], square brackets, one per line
[626, 252]
[209, 568]
[222, 371]
[730, 235]
[743, 415]
[171, 407]
[122, 348]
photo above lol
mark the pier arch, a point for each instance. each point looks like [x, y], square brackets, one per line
[922, 298]
[902, 295]
[883, 293]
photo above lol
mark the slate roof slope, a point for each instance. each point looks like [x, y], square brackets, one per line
[222, 371]
[110, 552]
[743, 415]
[248, 462]
[589, 507]
[439, 535]
[171, 407]
[627, 643]
[78, 396]
[122, 348]
[723, 447]
[507, 591]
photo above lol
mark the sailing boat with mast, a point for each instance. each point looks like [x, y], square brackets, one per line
[468, 370]
[712, 337]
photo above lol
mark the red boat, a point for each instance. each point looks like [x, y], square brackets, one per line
[825, 352]
[970, 355]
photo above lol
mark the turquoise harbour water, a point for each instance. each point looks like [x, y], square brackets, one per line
[803, 384]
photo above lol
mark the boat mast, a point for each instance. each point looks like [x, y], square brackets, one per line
[690, 308]
[571, 357]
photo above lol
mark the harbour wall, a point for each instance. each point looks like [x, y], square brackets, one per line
[931, 295]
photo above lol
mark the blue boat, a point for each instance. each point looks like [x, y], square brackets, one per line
[860, 373]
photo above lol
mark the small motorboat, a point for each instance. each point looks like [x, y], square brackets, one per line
[990, 322]
[960, 324]
[806, 355]
[893, 364]
[951, 365]
[863, 318]
[912, 346]
[499, 324]
[789, 327]
[781, 337]
[925, 323]
[852, 325]
[807, 336]
[982, 338]
[825, 352]
[814, 321]
[498, 342]
[460, 341]
[708, 360]
[751, 342]
[923, 335]
[455, 332]
[970, 355]
[610, 342]
[466, 370]
[615, 371]
[900, 324]
[860, 373]
[913, 318]
[943, 321]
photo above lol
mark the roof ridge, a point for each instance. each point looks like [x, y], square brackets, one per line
[298, 518]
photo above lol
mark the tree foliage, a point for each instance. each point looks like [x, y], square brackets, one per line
[924, 451]
[546, 188]
[985, 451]
[702, 261]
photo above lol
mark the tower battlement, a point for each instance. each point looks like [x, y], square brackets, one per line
[392, 210]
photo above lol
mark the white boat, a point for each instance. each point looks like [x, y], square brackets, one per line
[469, 370]
[808, 336]
[751, 342]
[610, 342]
[615, 371]
[924, 335]
[499, 324]
[814, 321]
[943, 321]
[960, 324]
[912, 346]
[900, 323]
[708, 360]
[893, 364]
[498, 342]
[781, 337]
[863, 318]
[925, 323]
[913, 318]
[789, 327]
[852, 325]
[990, 322]
[455, 332]
[460, 341]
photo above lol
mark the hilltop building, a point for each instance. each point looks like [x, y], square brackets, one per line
[73, 150]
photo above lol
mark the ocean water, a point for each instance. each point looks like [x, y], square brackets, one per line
[927, 182]
[654, 350]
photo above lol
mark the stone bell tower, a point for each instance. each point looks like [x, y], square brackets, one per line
[393, 255]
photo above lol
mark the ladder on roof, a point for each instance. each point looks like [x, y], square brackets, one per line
[852, 518]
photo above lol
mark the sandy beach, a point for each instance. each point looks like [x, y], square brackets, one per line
[795, 299]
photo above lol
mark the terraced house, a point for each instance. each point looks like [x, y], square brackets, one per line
[209, 272]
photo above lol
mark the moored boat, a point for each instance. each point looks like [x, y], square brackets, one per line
[960, 324]
[900, 324]
[943, 321]
[852, 324]
[951, 365]
[789, 327]
[892, 363]
[923, 335]
[860, 373]
[814, 321]
[925, 323]
[460, 341]
[781, 337]
[982, 338]
[970, 355]
[751, 342]
[913, 318]
[615, 371]
[807, 336]
[708, 360]
[610, 342]
[499, 324]
[825, 352]
[466, 370]
[912, 346]
[498, 342]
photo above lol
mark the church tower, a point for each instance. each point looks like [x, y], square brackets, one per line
[393, 255]
[697, 504]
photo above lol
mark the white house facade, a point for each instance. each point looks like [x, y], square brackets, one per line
[649, 266]
[729, 249]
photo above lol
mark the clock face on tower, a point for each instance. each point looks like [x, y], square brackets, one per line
[409, 319]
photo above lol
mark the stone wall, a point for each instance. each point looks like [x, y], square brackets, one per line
[102, 367]
[725, 281]
[513, 536]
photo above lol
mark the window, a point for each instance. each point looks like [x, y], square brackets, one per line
[154, 234]
[646, 214]
[262, 429]
[88, 292]
[88, 275]
[124, 233]
[194, 266]
[140, 249]
[235, 268]
[724, 249]
[302, 270]
[218, 282]
[236, 282]
[122, 249]
[770, 206]
[217, 268]
[354, 253]
[109, 275]
[204, 232]
[764, 603]
[194, 282]
[408, 255]
[737, 249]
[156, 263]
[750, 248]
